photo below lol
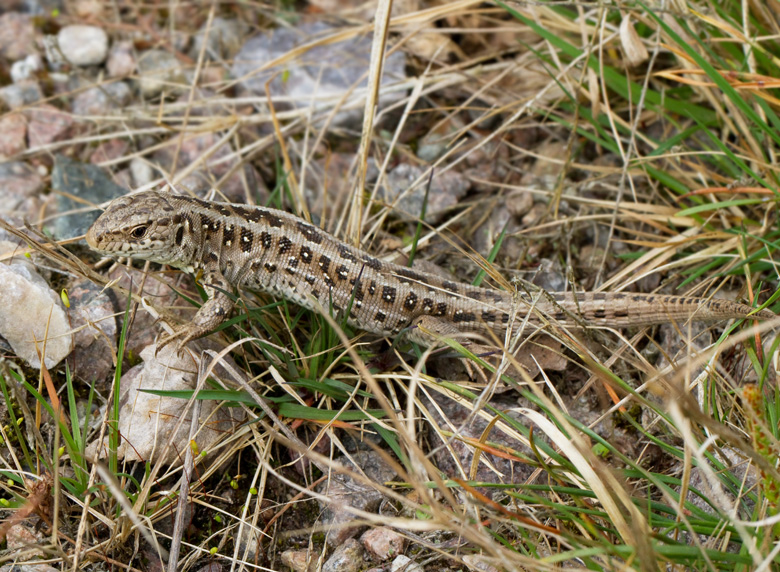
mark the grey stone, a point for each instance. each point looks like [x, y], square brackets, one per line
[105, 99]
[347, 557]
[160, 72]
[87, 182]
[224, 39]
[20, 94]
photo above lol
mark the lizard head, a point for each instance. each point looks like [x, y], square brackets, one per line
[142, 226]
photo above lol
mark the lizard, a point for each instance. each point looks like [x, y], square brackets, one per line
[268, 250]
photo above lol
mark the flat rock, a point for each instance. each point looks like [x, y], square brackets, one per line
[87, 182]
[32, 311]
[320, 77]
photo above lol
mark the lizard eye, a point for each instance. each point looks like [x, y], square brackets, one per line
[138, 232]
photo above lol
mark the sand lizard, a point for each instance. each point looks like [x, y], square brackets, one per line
[268, 250]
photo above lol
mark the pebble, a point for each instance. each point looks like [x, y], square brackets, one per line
[13, 135]
[141, 172]
[160, 72]
[107, 99]
[224, 39]
[20, 94]
[383, 543]
[347, 557]
[46, 125]
[18, 181]
[300, 560]
[25, 69]
[121, 61]
[404, 564]
[83, 45]
[17, 36]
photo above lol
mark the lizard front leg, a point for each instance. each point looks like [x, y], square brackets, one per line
[211, 314]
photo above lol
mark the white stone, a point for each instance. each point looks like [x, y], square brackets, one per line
[141, 171]
[405, 563]
[24, 69]
[29, 309]
[83, 45]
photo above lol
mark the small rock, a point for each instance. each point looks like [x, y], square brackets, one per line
[18, 181]
[446, 190]
[328, 70]
[121, 61]
[20, 94]
[518, 203]
[478, 564]
[160, 72]
[13, 135]
[148, 421]
[383, 543]
[300, 560]
[85, 181]
[108, 99]
[224, 39]
[141, 171]
[30, 311]
[347, 557]
[83, 45]
[94, 324]
[109, 151]
[343, 491]
[17, 36]
[46, 125]
[24, 69]
[20, 537]
[404, 564]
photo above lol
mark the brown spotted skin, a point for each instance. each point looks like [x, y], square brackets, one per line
[272, 251]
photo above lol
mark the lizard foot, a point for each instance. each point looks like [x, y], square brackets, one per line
[184, 335]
